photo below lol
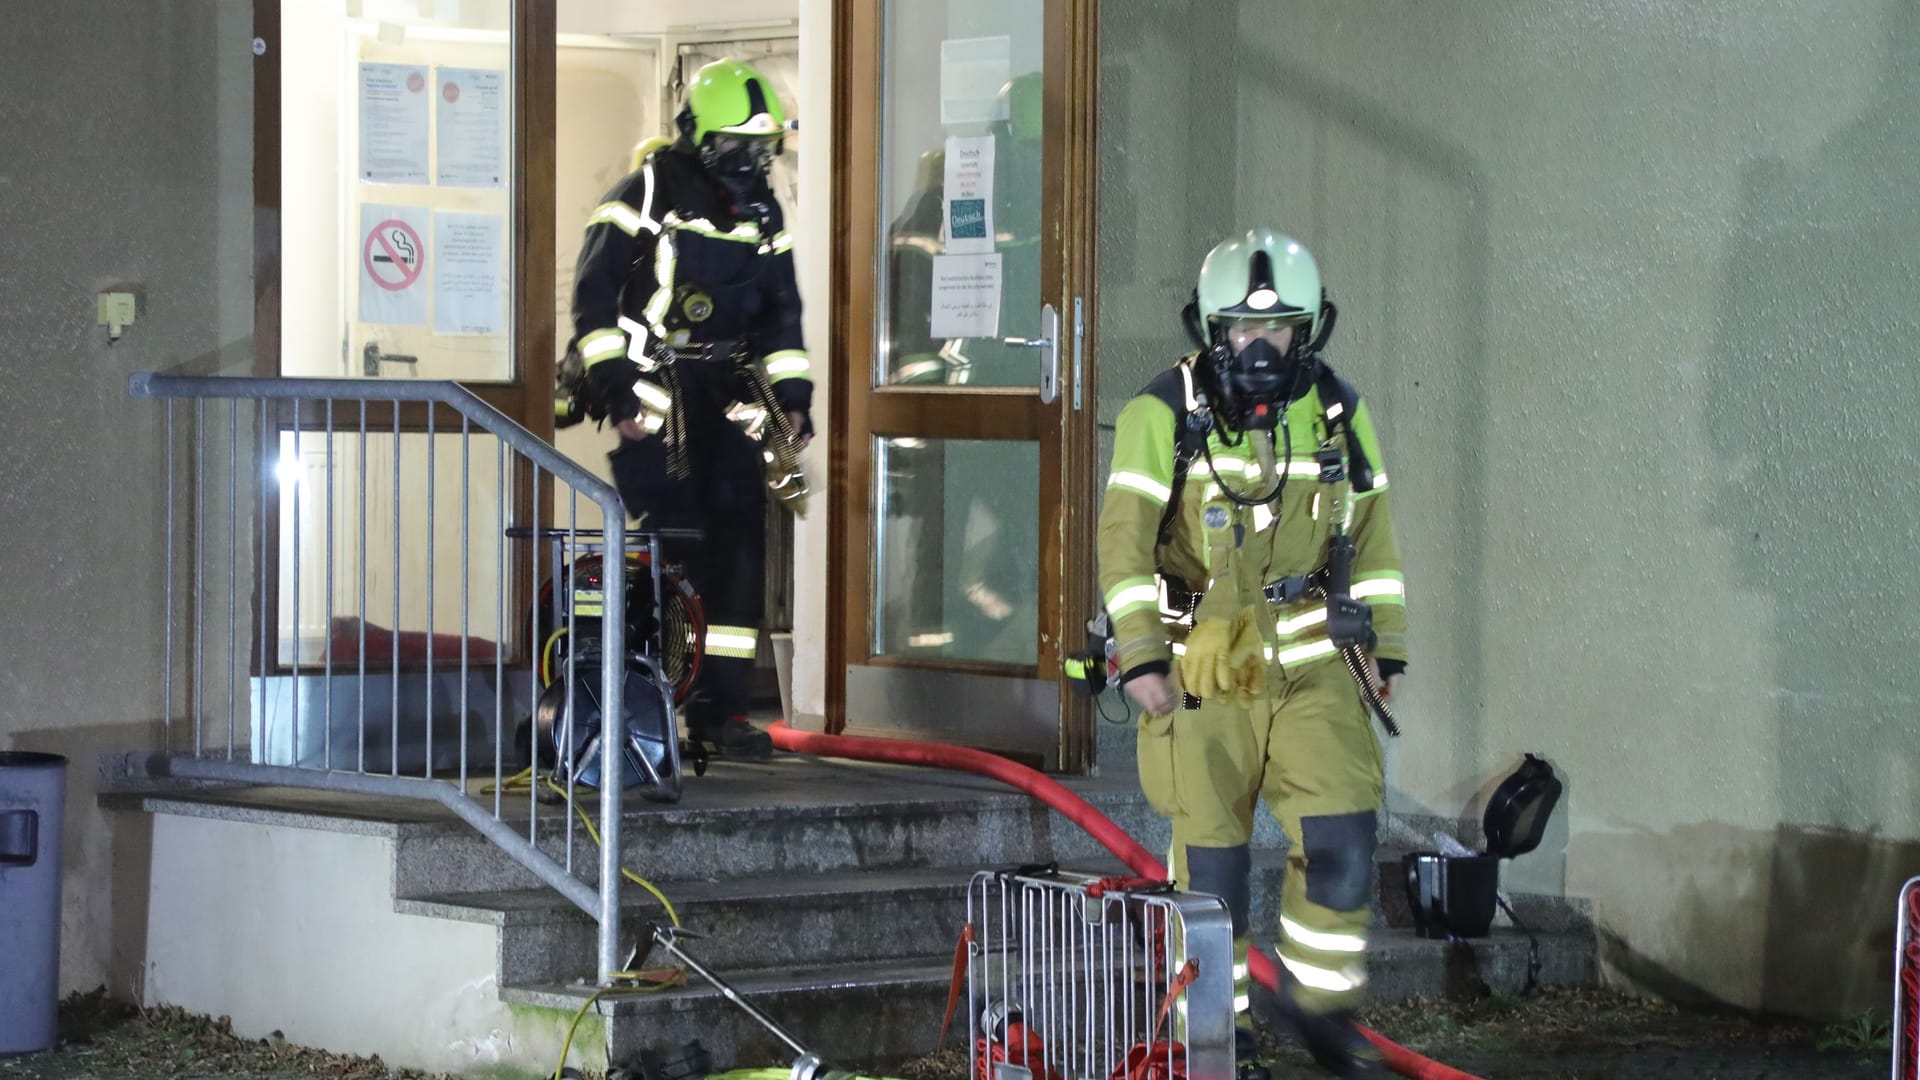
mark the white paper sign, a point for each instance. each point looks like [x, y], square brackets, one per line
[973, 71]
[469, 252]
[968, 223]
[393, 264]
[472, 127]
[966, 296]
[393, 124]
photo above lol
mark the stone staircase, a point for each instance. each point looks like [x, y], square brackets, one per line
[836, 893]
[833, 893]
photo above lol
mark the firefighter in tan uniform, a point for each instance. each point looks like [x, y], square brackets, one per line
[1235, 476]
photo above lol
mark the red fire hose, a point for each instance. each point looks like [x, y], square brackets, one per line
[1077, 810]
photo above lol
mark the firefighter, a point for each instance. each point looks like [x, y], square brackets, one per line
[1232, 474]
[687, 319]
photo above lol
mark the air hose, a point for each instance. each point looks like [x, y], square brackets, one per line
[1356, 661]
[1077, 810]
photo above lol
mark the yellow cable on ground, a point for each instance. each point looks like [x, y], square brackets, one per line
[624, 872]
[566, 1044]
[523, 779]
[664, 979]
[650, 981]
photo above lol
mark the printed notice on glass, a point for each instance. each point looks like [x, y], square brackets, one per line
[973, 71]
[966, 296]
[393, 265]
[472, 127]
[393, 124]
[469, 251]
[969, 195]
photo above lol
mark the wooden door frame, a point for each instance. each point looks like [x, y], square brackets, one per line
[527, 398]
[1066, 435]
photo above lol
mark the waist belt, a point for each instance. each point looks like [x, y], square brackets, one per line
[1288, 590]
[710, 352]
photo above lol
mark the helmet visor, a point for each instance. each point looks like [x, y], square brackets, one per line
[1285, 332]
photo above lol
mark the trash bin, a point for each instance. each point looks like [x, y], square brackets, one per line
[33, 790]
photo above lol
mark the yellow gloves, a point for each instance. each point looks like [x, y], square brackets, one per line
[1224, 660]
[1204, 670]
[1247, 659]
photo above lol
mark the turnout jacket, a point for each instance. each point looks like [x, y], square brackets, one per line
[1208, 539]
[672, 259]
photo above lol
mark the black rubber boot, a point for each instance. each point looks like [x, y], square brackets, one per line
[1247, 1063]
[1332, 1038]
[735, 738]
[1337, 1045]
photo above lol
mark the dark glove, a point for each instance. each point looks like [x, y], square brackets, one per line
[608, 390]
[794, 395]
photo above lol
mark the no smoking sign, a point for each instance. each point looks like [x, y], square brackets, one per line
[393, 262]
[393, 255]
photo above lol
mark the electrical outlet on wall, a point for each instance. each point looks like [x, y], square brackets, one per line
[117, 307]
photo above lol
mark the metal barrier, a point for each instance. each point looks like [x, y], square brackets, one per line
[1073, 977]
[1906, 984]
[347, 705]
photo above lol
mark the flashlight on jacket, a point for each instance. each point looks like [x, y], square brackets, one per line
[1098, 667]
[1349, 621]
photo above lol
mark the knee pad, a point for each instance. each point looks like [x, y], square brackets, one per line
[1339, 850]
[1227, 873]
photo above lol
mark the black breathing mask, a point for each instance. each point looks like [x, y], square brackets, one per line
[740, 163]
[1259, 382]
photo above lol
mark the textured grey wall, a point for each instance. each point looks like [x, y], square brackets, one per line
[128, 160]
[1631, 287]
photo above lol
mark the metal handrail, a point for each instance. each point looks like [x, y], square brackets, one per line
[603, 907]
[155, 386]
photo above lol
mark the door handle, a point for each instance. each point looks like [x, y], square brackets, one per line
[1079, 348]
[371, 358]
[1049, 345]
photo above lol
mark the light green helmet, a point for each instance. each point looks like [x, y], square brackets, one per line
[1260, 275]
[728, 97]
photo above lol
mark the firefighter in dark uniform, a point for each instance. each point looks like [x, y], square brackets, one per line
[687, 318]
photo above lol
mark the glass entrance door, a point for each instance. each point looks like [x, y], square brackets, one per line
[956, 538]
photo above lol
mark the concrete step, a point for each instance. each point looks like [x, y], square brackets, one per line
[781, 921]
[793, 816]
[746, 924]
[876, 1013]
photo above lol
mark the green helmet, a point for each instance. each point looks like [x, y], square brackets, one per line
[1261, 275]
[728, 97]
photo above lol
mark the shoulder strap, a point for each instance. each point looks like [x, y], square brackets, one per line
[646, 147]
[1341, 402]
[1175, 389]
